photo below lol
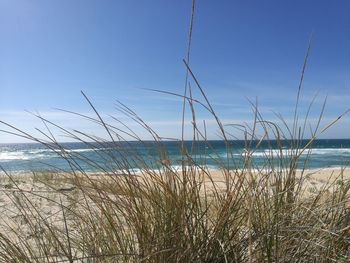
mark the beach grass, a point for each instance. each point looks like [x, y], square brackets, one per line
[241, 212]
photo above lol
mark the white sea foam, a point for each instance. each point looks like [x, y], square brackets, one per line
[4, 156]
[37, 151]
[286, 152]
[81, 150]
[22, 155]
[331, 151]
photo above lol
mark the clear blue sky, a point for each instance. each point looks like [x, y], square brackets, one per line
[112, 50]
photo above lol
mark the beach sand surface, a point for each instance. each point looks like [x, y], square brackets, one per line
[49, 194]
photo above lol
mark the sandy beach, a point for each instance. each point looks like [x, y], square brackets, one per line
[30, 204]
[50, 191]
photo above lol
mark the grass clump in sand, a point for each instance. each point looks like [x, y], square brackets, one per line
[242, 213]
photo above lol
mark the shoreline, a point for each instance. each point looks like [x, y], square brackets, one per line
[175, 168]
[311, 177]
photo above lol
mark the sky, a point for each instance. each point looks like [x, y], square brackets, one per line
[116, 50]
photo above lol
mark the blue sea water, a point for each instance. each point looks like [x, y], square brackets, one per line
[28, 157]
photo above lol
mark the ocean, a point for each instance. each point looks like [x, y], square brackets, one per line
[93, 157]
